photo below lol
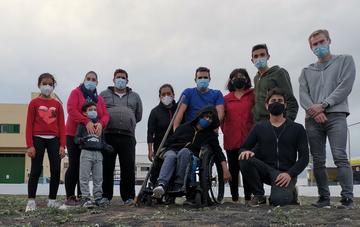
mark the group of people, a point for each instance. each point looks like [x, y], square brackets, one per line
[261, 139]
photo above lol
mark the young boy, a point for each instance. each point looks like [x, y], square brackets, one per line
[91, 158]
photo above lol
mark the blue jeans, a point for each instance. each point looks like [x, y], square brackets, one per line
[174, 160]
[335, 129]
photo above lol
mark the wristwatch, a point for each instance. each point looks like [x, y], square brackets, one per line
[324, 105]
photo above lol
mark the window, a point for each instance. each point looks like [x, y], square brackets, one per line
[9, 128]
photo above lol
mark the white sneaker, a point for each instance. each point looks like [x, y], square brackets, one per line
[30, 206]
[158, 192]
[52, 203]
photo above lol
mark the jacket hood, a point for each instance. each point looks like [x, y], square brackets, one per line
[271, 70]
[320, 67]
[112, 89]
[215, 119]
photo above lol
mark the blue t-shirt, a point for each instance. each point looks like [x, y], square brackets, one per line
[195, 100]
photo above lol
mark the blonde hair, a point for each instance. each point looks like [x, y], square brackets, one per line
[318, 32]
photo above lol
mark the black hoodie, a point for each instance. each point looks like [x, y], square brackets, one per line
[187, 136]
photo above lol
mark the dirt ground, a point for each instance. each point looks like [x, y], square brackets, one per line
[227, 214]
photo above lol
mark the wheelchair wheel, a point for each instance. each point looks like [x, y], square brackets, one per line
[211, 179]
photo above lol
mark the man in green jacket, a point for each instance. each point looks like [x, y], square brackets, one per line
[268, 78]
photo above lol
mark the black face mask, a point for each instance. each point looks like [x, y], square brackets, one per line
[276, 108]
[239, 83]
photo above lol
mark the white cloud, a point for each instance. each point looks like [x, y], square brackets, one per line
[163, 41]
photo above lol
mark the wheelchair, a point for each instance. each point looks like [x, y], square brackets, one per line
[203, 186]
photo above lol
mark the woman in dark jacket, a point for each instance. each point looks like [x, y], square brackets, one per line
[160, 118]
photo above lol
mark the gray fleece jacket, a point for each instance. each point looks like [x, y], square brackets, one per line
[124, 112]
[329, 82]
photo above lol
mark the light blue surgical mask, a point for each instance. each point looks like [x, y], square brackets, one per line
[204, 123]
[92, 114]
[46, 89]
[120, 83]
[260, 63]
[321, 50]
[202, 83]
[90, 85]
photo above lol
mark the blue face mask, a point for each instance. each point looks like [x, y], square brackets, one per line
[120, 83]
[92, 114]
[321, 50]
[90, 85]
[202, 83]
[260, 63]
[204, 123]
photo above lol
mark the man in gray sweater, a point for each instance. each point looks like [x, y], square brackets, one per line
[324, 88]
[125, 109]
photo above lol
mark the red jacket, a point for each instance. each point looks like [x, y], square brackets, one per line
[238, 119]
[74, 104]
[45, 117]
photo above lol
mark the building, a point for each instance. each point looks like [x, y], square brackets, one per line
[12, 143]
[14, 163]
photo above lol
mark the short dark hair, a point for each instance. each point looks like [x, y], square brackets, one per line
[202, 69]
[46, 75]
[236, 72]
[274, 91]
[87, 105]
[120, 71]
[258, 47]
[165, 86]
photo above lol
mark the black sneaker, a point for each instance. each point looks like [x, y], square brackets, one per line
[346, 203]
[323, 202]
[257, 200]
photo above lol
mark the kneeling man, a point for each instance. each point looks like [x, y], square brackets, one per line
[281, 154]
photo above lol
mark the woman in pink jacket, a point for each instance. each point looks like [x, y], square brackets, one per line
[237, 124]
[86, 92]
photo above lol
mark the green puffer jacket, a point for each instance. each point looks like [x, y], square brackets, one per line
[274, 77]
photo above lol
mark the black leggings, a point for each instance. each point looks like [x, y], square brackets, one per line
[52, 146]
[72, 173]
[234, 168]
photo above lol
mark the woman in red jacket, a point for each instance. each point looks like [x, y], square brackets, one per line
[86, 92]
[237, 124]
[45, 130]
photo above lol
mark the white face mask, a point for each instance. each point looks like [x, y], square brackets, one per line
[167, 100]
[46, 89]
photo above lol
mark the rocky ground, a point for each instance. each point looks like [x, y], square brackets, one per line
[227, 214]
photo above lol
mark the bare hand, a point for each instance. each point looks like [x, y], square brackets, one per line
[90, 127]
[245, 155]
[315, 109]
[320, 118]
[31, 152]
[62, 152]
[226, 174]
[283, 180]
[98, 129]
[151, 154]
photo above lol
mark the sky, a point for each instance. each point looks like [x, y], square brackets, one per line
[164, 41]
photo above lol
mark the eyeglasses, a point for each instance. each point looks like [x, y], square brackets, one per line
[120, 77]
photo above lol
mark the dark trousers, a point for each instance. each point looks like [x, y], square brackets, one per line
[72, 173]
[257, 172]
[233, 162]
[124, 146]
[52, 147]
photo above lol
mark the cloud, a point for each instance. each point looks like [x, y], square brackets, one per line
[163, 41]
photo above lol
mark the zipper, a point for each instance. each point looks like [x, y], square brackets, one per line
[277, 142]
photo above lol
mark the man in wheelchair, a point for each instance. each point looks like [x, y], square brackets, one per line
[186, 141]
